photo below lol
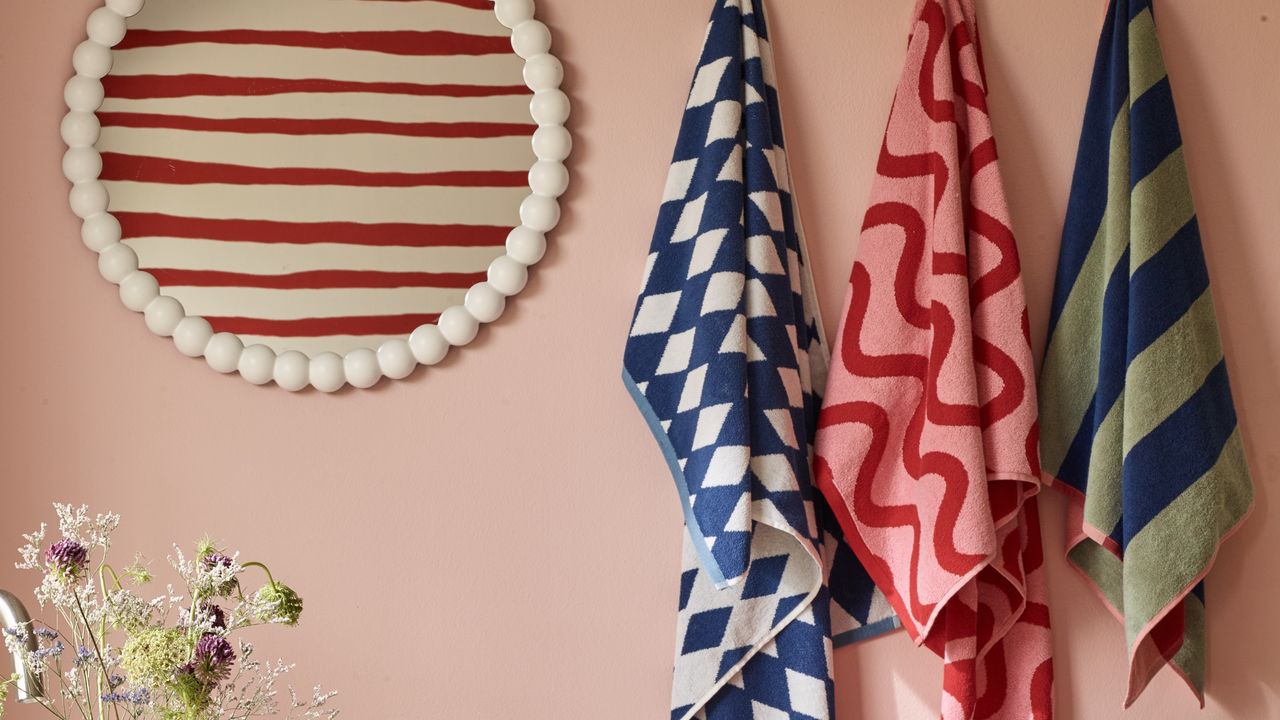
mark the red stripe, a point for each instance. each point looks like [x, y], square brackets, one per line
[135, 168]
[138, 225]
[321, 327]
[327, 126]
[393, 42]
[315, 279]
[134, 87]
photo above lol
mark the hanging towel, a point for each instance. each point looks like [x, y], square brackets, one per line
[927, 439]
[1139, 427]
[726, 362]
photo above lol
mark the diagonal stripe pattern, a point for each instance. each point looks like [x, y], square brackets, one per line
[1139, 429]
[726, 363]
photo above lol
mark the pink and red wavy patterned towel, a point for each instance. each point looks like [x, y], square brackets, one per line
[927, 447]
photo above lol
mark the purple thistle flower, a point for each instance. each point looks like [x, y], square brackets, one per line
[216, 615]
[67, 556]
[213, 659]
[215, 650]
[215, 559]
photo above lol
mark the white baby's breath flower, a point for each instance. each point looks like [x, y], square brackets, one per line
[90, 602]
[254, 693]
[15, 640]
[31, 551]
[167, 603]
[71, 687]
[316, 707]
[75, 524]
[128, 611]
[178, 560]
[207, 575]
[56, 591]
[251, 689]
[72, 521]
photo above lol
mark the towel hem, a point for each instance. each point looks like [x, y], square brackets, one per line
[1030, 495]
[867, 632]
[871, 563]
[677, 475]
[1087, 531]
[767, 637]
[704, 552]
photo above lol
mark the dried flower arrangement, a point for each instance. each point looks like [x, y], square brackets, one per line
[112, 653]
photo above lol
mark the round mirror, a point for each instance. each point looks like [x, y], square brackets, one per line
[316, 192]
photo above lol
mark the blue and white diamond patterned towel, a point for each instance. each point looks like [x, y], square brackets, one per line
[726, 361]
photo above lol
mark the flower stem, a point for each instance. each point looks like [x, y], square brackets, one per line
[44, 703]
[265, 569]
[81, 708]
[97, 650]
[190, 631]
[114, 577]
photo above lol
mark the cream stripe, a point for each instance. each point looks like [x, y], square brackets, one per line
[370, 153]
[341, 344]
[1162, 205]
[1104, 503]
[1176, 546]
[275, 258]
[313, 15]
[1070, 374]
[269, 304]
[300, 63]
[1171, 370]
[1103, 568]
[357, 106]
[323, 203]
[1146, 62]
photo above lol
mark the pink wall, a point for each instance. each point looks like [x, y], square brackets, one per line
[497, 538]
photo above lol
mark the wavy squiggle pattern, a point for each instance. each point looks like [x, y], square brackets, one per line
[927, 443]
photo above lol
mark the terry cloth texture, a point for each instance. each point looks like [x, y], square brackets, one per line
[726, 362]
[1139, 427]
[927, 443]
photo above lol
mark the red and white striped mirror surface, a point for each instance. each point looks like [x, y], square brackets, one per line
[316, 175]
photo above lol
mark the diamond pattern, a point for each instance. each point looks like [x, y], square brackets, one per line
[675, 358]
[655, 314]
[706, 629]
[726, 362]
[764, 576]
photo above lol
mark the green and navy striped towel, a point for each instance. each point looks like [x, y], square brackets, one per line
[1138, 425]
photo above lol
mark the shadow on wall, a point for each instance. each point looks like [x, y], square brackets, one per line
[1244, 673]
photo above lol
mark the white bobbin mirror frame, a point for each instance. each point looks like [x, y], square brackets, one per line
[328, 371]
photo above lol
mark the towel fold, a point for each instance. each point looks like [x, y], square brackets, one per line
[726, 362]
[1139, 427]
[927, 442]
